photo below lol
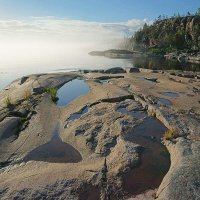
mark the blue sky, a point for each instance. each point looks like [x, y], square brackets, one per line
[95, 10]
[53, 32]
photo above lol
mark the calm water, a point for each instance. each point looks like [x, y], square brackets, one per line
[163, 64]
[165, 101]
[155, 160]
[55, 151]
[136, 114]
[84, 61]
[171, 94]
[71, 91]
[78, 115]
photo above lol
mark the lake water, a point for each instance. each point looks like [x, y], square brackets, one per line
[85, 61]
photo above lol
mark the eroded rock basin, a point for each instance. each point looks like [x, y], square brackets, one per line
[77, 115]
[104, 131]
[171, 94]
[155, 159]
[55, 151]
[165, 101]
[72, 90]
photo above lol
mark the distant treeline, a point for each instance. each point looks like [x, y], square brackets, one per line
[168, 34]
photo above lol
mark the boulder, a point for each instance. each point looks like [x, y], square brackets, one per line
[38, 90]
[133, 70]
[115, 70]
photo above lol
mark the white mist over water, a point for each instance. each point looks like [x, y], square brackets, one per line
[45, 44]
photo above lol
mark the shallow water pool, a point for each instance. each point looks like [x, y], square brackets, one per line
[170, 94]
[71, 91]
[55, 151]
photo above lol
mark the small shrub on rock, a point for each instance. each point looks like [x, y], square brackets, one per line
[8, 102]
[171, 134]
[27, 94]
[53, 93]
[152, 113]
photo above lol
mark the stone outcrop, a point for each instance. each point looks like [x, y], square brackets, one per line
[115, 70]
[107, 129]
[179, 32]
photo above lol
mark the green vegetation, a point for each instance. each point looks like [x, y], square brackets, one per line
[21, 124]
[53, 93]
[8, 102]
[154, 51]
[27, 94]
[171, 134]
[168, 34]
[152, 113]
[198, 12]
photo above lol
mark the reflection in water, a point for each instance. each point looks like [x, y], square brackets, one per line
[136, 114]
[155, 159]
[77, 115]
[90, 193]
[170, 94]
[55, 151]
[72, 90]
[85, 61]
[165, 101]
[163, 64]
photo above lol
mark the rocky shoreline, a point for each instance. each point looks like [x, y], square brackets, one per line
[122, 54]
[100, 131]
[186, 57]
[126, 54]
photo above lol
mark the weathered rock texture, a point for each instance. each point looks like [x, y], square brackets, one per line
[102, 131]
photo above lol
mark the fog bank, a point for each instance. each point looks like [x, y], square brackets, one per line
[50, 42]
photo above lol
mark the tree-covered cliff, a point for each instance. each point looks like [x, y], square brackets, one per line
[169, 34]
